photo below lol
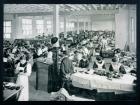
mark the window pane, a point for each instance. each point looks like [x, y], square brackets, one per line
[23, 26]
[48, 22]
[27, 26]
[8, 30]
[39, 21]
[23, 21]
[49, 26]
[8, 23]
[7, 27]
[29, 21]
[61, 24]
[7, 35]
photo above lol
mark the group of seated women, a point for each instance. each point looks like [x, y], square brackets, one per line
[83, 52]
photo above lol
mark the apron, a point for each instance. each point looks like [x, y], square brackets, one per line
[23, 81]
[116, 67]
[79, 56]
[100, 66]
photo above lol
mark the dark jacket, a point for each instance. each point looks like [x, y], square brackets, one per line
[83, 64]
[121, 69]
[66, 67]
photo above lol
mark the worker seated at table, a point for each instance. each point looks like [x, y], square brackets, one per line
[104, 42]
[39, 51]
[116, 66]
[66, 69]
[97, 51]
[99, 63]
[117, 53]
[85, 50]
[84, 63]
[9, 66]
[63, 47]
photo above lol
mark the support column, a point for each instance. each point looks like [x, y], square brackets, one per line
[45, 25]
[65, 30]
[14, 28]
[84, 26]
[91, 23]
[19, 29]
[34, 33]
[77, 26]
[56, 21]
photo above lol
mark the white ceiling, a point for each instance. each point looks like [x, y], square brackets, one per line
[34, 8]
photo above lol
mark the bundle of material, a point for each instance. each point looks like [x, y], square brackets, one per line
[63, 95]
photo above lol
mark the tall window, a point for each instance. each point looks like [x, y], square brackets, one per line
[49, 26]
[26, 26]
[7, 29]
[70, 26]
[40, 26]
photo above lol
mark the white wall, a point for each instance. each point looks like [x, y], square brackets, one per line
[132, 14]
[123, 28]
[103, 22]
[121, 21]
[103, 25]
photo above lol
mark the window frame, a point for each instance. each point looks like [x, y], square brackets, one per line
[5, 28]
[40, 30]
[27, 27]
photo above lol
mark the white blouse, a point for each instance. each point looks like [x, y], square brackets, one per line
[28, 68]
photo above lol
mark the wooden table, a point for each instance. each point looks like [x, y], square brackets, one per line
[8, 94]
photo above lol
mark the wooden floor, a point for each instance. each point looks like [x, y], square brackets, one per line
[36, 95]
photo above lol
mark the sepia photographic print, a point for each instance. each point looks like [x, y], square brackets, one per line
[69, 52]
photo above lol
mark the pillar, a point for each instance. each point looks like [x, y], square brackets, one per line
[84, 26]
[65, 31]
[34, 32]
[56, 21]
[77, 26]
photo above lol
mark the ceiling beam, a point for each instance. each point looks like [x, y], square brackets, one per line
[72, 7]
[68, 7]
[91, 6]
[102, 7]
[92, 12]
[117, 6]
[37, 13]
[81, 7]
[85, 6]
[95, 6]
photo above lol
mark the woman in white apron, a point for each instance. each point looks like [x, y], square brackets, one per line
[24, 71]
[116, 66]
[104, 42]
[99, 63]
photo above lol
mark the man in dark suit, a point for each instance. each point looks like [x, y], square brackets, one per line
[66, 69]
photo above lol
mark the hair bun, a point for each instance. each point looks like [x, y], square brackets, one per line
[54, 40]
